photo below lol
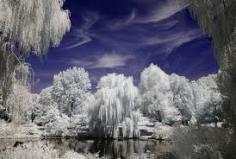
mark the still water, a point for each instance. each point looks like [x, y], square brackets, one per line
[105, 149]
[113, 149]
[197, 143]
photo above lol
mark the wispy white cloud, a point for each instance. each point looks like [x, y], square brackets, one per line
[83, 34]
[111, 60]
[83, 63]
[174, 40]
[82, 37]
[161, 11]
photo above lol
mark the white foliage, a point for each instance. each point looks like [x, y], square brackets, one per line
[207, 97]
[70, 90]
[58, 124]
[153, 76]
[73, 155]
[45, 109]
[29, 151]
[22, 74]
[129, 126]
[47, 115]
[157, 97]
[33, 24]
[171, 98]
[62, 108]
[183, 97]
[114, 103]
[78, 124]
[68, 108]
[42, 150]
[20, 103]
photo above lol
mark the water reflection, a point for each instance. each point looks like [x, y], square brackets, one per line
[186, 143]
[113, 149]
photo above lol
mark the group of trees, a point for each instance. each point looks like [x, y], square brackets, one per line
[171, 98]
[117, 106]
[65, 103]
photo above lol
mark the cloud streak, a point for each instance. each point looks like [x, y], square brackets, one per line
[111, 60]
[83, 34]
[159, 11]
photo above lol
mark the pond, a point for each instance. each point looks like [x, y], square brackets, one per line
[108, 149]
[113, 149]
[196, 143]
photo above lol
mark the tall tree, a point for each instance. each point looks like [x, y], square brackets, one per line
[28, 26]
[218, 19]
[114, 107]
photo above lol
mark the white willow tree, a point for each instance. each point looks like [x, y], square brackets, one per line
[27, 26]
[115, 105]
[33, 25]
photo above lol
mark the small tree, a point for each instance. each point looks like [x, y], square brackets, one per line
[20, 104]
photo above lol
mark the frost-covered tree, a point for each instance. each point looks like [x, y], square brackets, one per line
[47, 114]
[208, 99]
[157, 97]
[114, 107]
[70, 89]
[172, 98]
[63, 108]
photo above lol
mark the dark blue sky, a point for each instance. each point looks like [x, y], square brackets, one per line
[125, 36]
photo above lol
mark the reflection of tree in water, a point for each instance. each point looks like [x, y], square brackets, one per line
[115, 148]
[193, 143]
[200, 143]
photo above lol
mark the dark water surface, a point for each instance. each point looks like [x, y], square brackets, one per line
[186, 143]
[113, 149]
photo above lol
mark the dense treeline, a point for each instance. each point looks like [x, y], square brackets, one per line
[118, 107]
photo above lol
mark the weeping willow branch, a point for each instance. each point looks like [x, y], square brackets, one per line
[27, 26]
[218, 19]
